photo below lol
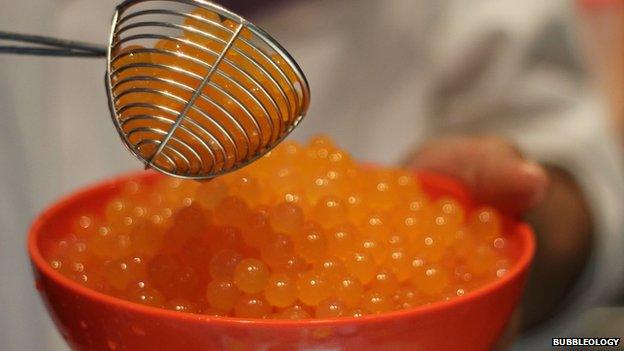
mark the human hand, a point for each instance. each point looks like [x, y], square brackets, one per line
[492, 168]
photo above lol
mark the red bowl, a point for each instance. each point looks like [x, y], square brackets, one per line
[90, 320]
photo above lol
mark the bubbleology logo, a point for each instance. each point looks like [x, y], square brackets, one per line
[606, 342]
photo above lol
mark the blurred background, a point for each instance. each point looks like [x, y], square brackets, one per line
[385, 77]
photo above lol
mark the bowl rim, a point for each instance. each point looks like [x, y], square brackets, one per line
[522, 229]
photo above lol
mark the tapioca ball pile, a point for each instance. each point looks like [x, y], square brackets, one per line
[304, 232]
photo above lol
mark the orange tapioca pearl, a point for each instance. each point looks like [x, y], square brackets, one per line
[430, 245]
[377, 302]
[293, 265]
[331, 268]
[142, 293]
[117, 209]
[482, 260]
[318, 149]
[213, 139]
[182, 305]
[485, 223]
[226, 237]
[341, 162]
[451, 210]
[310, 242]
[461, 276]
[253, 189]
[251, 93]
[286, 75]
[294, 196]
[75, 269]
[155, 203]
[72, 248]
[410, 217]
[128, 56]
[78, 250]
[176, 79]
[341, 240]
[441, 229]
[501, 267]
[185, 284]
[57, 254]
[430, 279]
[289, 152]
[131, 189]
[356, 206]
[161, 270]
[340, 181]
[323, 183]
[349, 290]
[358, 312]
[406, 297]
[295, 312]
[407, 185]
[385, 282]
[184, 56]
[222, 295]
[252, 306]
[104, 243]
[227, 110]
[251, 275]
[205, 30]
[177, 192]
[210, 193]
[330, 211]
[398, 262]
[125, 225]
[372, 245]
[381, 189]
[194, 254]
[93, 278]
[257, 232]
[85, 225]
[284, 176]
[281, 290]
[361, 265]
[331, 308]
[286, 218]
[279, 249]
[319, 142]
[136, 135]
[375, 224]
[397, 240]
[281, 62]
[223, 264]
[192, 219]
[120, 272]
[313, 288]
[464, 244]
[232, 211]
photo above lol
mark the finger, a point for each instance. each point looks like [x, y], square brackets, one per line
[493, 170]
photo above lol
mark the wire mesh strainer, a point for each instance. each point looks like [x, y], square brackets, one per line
[194, 90]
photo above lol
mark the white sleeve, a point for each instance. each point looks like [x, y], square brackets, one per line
[580, 142]
[519, 75]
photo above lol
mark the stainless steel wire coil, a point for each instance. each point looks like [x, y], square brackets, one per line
[195, 90]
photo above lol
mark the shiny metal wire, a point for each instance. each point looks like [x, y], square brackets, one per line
[197, 143]
[206, 137]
